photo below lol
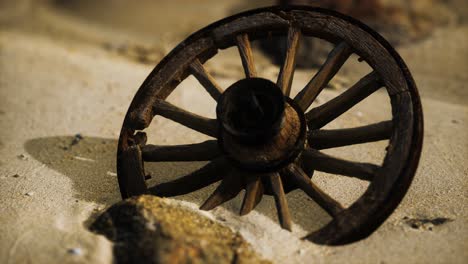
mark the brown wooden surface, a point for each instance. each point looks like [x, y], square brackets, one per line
[279, 147]
[280, 200]
[132, 170]
[245, 52]
[253, 194]
[321, 198]
[323, 139]
[324, 114]
[206, 80]
[258, 23]
[286, 73]
[169, 75]
[335, 60]
[385, 183]
[326, 163]
[198, 123]
[229, 187]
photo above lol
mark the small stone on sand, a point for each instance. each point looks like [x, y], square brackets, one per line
[22, 157]
[75, 251]
[110, 173]
[84, 159]
[78, 137]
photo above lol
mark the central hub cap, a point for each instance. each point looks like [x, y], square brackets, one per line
[260, 129]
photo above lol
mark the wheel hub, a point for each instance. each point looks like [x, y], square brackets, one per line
[260, 129]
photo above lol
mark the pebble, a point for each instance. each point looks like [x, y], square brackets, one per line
[110, 173]
[15, 176]
[84, 159]
[22, 157]
[78, 137]
[221, 218]
[29, 194]
[75, 251]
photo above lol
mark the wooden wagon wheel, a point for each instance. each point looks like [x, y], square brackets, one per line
[270, 144]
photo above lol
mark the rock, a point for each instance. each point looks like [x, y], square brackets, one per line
[75, 251]
[148, 229]
[22, 157]
[78, 137]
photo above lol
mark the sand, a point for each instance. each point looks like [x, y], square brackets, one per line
[59, 78]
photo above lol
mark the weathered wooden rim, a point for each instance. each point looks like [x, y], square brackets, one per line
[334, 232]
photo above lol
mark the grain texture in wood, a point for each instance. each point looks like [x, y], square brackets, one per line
[206, 80]
[132, 170]
[198, 123]
[229, 187]
[324, 200]
[286, 73]
[164, 78]
[259, 23]
[245, 52]
[280, 200]
[253, 194]
[335, 60]
[324, 114]
[323, 162]
[323, 139]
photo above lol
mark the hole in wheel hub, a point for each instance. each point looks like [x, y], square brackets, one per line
[260, 129]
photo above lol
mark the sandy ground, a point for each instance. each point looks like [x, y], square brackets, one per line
[60, 77]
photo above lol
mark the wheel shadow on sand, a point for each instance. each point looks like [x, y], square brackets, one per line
[90, 162]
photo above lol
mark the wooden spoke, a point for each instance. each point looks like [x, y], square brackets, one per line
[323, 162]
[201, 124]
[287, 69]
[323, 139]
[245, 51]
[230, 186]
[253, 194]
[324, 114]
[280, 200]
[326, 202]
[208, 174]
[207, 150]
[206, 80]
[335, 60]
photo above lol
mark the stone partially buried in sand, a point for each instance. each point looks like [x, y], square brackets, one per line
[148, 229]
